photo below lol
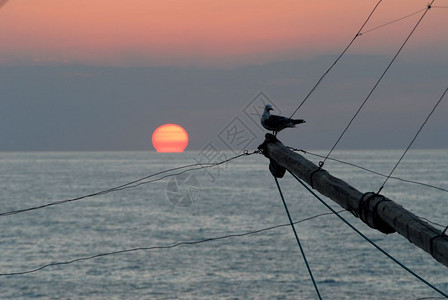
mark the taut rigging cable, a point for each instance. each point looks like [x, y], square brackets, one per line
[131, 184]
[337, 59]
[369, 170]
[378, 81]
[391, 22]
[367, 239]
[413, 140]
[53, 264]
[297, 239]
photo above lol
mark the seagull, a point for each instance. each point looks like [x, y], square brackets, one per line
[277, 123]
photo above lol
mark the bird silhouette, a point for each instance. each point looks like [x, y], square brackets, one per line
[277, 123]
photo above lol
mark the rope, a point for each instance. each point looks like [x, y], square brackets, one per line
[162, 247]
[446, 228]
[337, 59]
[132, 184]
[379, 174]
[434, 223]
[413, 140]
[297, 239]
[379, 80]
[368, 170]
[312, 174]
[394, 21]
[367, 239]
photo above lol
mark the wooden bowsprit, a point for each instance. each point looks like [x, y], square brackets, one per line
[373, 209]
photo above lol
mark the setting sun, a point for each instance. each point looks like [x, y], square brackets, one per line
[170, 138]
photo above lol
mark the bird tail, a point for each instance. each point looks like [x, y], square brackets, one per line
[298, 121]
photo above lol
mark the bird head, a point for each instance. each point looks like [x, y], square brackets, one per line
[268, 107]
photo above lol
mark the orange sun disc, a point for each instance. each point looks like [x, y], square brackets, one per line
[170, 138]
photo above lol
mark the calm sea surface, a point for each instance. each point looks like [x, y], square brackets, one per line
[236, 198]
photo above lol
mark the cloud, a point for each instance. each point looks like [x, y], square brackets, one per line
[3, 2]
[176, 33]
[107, 108]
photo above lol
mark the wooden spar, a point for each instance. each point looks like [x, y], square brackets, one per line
[373, 209]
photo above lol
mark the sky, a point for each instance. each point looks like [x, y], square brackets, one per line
[103, 75]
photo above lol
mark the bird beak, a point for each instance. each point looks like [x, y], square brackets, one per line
[270, 109]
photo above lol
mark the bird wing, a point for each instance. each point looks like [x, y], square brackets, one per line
[277, 122]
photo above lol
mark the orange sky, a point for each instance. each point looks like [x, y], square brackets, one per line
[202, 32]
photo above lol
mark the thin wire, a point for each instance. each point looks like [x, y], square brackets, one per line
[179, 173]
[413, 140]
[164, 247]
[434, 223]
[370, 171]
[379, 80]
[446, 228]
[380, 174]
[297, 239]
[90, 195]
[337, 59]
[391, 22]
[366, 238]
[131, 184]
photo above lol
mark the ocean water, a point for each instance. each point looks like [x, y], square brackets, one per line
[235, 198]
